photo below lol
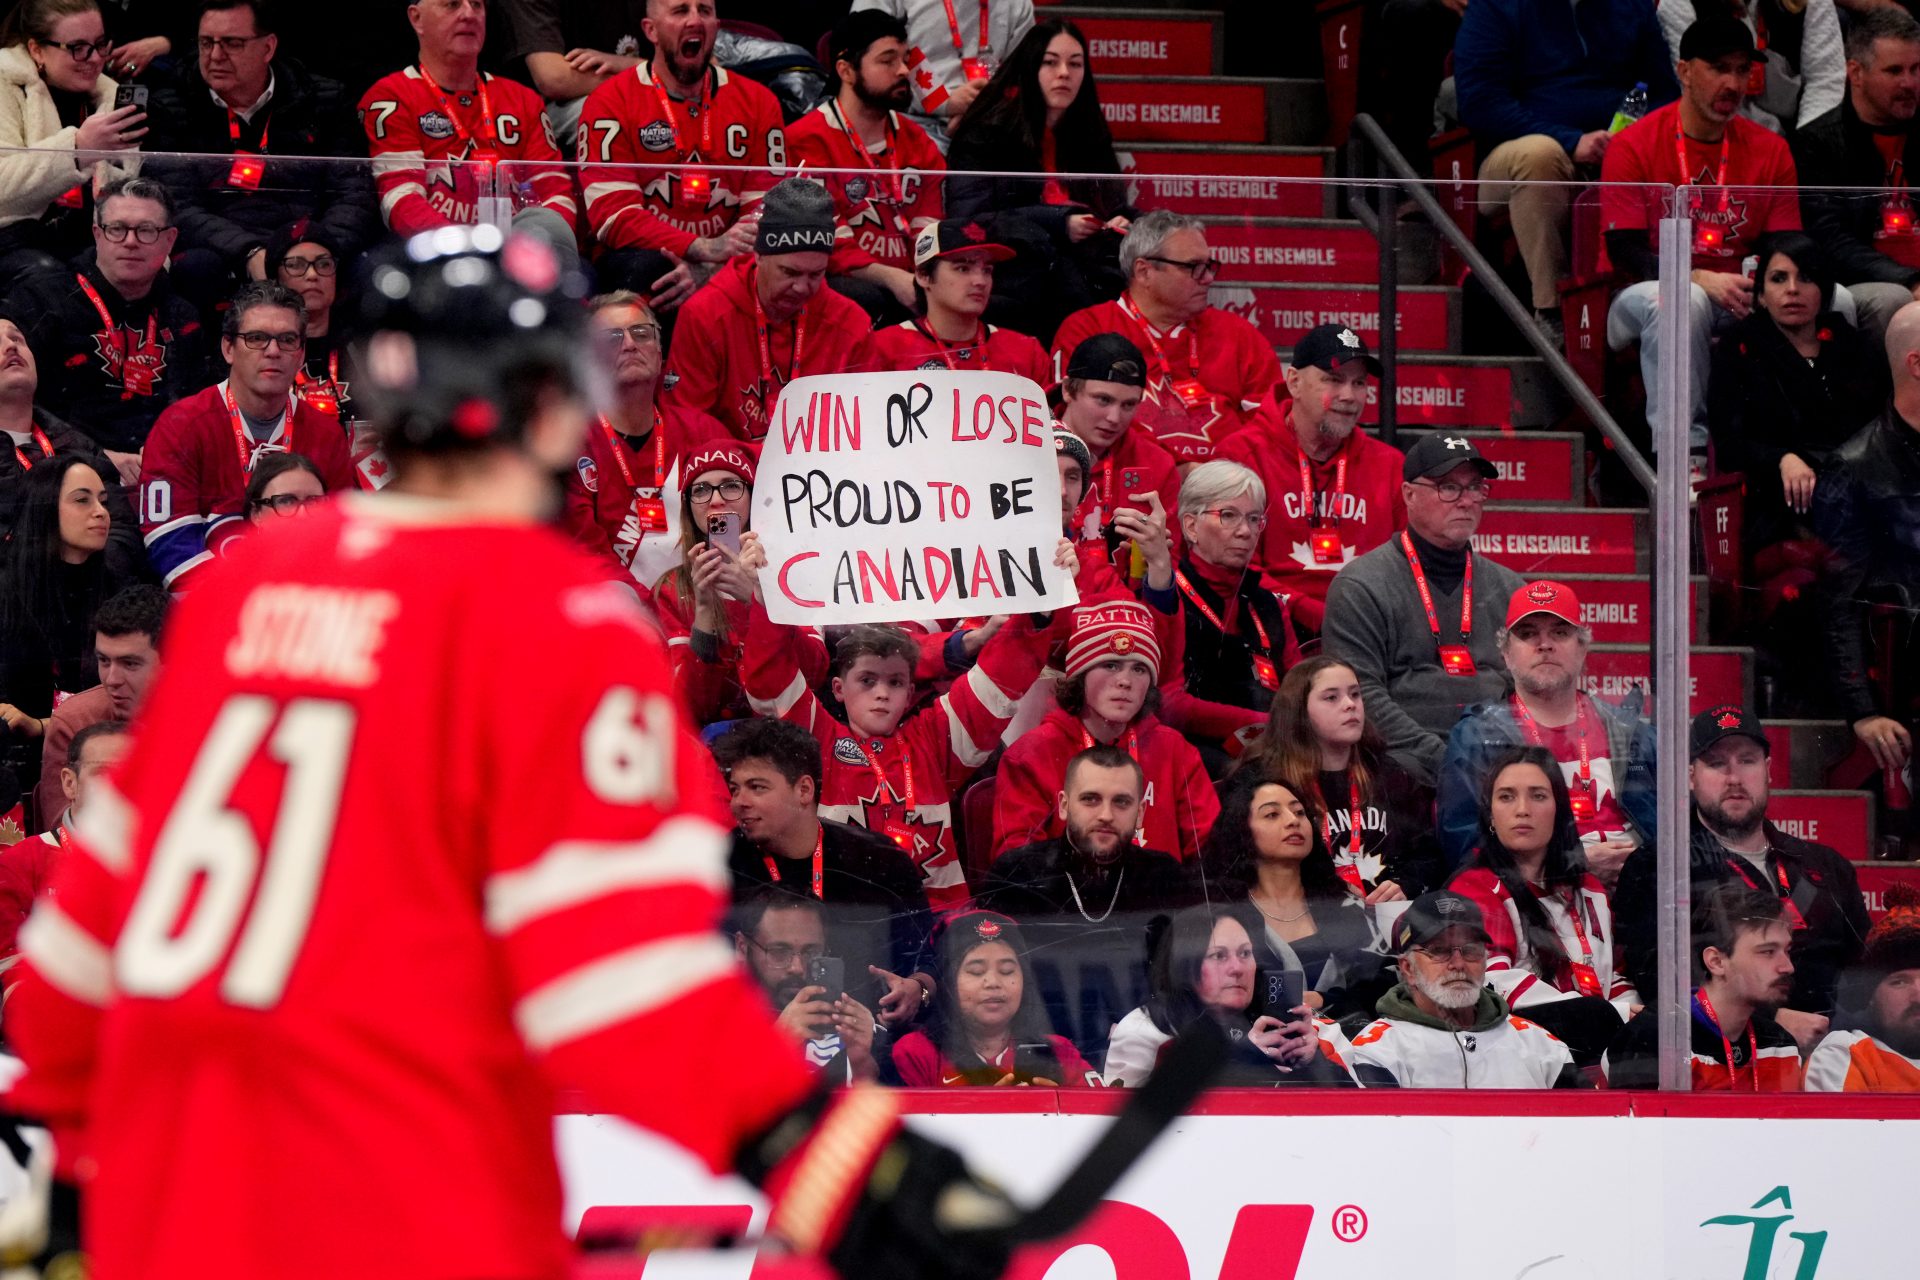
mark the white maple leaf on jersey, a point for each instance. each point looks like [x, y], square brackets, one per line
[1371, 866]
[1303, 556]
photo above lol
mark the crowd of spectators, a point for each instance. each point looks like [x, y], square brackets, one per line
[1300, 760]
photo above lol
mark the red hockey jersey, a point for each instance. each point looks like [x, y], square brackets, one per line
[1135, 464]
[416, 135]
[1176, 813]
[1366, 512]
[910, 778]
[601, 511]
[890, 195]
[193, 477]
[715, 363]
[661, 174]
[713, 690]
[912, 345]
[1234, 366]
[339, 929]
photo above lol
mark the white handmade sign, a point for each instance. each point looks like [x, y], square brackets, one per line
[896, 497]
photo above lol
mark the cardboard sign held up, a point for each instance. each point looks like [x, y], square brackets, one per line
[896, 497]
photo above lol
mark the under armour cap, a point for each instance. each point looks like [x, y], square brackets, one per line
[1439, 452]
[1108, 357]
[955, 235]
[1329, 346]
[1432, 914]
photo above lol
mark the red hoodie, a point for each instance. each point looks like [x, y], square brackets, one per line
[715, 364]
[1369, 512]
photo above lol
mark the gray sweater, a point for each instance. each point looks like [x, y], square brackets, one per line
[1376, 623]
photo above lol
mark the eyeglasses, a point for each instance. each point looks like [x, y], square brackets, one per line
[258, 340]
[1203, 270]
[1230, 519]
[286, 504]
[145, 232]
[1471, 952]
[642, 334]
[1451, 492]
[783, 954]
[232, 44]
[85, 50]
[731, 490]
[322, 265]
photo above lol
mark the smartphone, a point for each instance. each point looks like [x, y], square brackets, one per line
[1286, 991]
[1036, 1060]
[723, 531]
[829, 972]
[130, 95]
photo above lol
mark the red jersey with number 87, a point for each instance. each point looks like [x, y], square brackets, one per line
[389, 863]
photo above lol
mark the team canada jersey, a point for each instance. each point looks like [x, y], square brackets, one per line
[193, 478]
[889, 197]
[902, 786]
[660, 176]
[1203, 377]
[416, 137]
[1856, 1062]
[610, 508]
[326, 947]
[912, 345]
[1512, 964]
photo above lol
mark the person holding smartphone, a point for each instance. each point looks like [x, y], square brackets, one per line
[781, 938]
[987, 1024]
[702, 602]
[56, 106]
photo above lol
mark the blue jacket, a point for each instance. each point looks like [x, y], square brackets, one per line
[1558, 67]
[1488, 728]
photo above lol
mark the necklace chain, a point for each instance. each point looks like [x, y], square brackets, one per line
[1101, 918]
[1298, 915]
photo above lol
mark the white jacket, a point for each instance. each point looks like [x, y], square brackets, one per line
[31, 180]
[1790, 100]
[1855, 1062]
[1511, 1054]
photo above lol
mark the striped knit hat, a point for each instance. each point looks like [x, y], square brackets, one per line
[1112, 629]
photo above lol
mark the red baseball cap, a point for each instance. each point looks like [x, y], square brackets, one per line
[1556, 598]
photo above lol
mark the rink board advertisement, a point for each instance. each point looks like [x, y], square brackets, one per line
[1300, 1193]
[897, 497]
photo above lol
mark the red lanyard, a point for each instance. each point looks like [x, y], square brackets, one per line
[40, 442]
[705, 106]
[233, 124]
[1534, 735]
[819, 883]
[1339, 490]
[1726, 1045]
[977, 345]
[953, 25]
[1186, 589]
[1576, 902]
[1680, 150]
[492, 139]
[866, 158]
[1159, 355]
[906, 763]
[241, 440]
[620, 453]
[115, 334]
[766, 351]
[1744, 868]
[1353, 818]
[1426, 596]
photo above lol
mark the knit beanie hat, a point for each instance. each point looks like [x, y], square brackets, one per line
[1064, 441]
[1894, 943]
[720, 455]
[1112, 628]
[795, 217]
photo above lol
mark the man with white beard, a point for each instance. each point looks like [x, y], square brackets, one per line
[1442, 1027]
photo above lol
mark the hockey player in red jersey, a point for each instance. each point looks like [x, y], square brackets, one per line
[202, 450]
[413, 837]
[888, 185]
[953, 266]
[436, 130]
[675, 155]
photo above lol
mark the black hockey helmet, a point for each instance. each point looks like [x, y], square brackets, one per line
[466, 328]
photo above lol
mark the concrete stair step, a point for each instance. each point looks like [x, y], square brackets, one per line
[1618, 607]
[1544, 541]
[1428, 320]
[1149, 41]
[1275, 250]
[1211, 109]
[1281, 182]
[1442, 389]
[1877, 877]
[1843, 820]
[1535, 466]
[1719, 673]
[1804, 750]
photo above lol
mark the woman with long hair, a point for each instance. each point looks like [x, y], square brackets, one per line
[1209, 963]
[1266, 850]
[55, 103]
[702, 602]
[1014, 160]
[283, 484]
[1550, 927]
[987, 1023]
[1377, 820]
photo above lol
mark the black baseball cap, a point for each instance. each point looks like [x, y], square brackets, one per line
[1432, 914]
[1725, 721]
[1108, 357]
[1328, 346]
[1712, 38]
[1439, 452]
[955, 235]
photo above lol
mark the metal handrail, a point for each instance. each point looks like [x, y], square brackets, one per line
[1400, 177]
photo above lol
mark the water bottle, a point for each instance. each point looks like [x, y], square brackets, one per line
[1631, 108]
